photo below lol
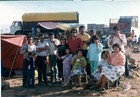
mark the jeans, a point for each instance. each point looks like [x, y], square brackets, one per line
[42, 68]
[30, 76]
[25, 68]
[52, 59]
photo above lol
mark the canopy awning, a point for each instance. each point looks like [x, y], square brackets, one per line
[52, 25]
[70, 17]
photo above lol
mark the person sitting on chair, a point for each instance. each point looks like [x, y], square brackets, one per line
[115, 69]
[78, 63]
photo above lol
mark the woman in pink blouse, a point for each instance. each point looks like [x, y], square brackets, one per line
[115, 69]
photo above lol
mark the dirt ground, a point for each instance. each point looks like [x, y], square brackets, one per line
[16, 90]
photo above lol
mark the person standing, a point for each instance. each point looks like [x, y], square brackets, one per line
[61, 48]
[85, 38]
[42, 51]
[53, 43]
[74, 41]
[66, 66]
[30, 70]
[25, 49]
[118, 38]
[94, 53]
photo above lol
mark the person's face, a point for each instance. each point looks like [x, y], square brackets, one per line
[41, 38]
[116, 49]
[51, 36]
[67, 51]
[104, 56]
[63, 40]
[96, 41]
[82, 30]
[116, 32]
[30, 40]
[74, 33]
[79, 54]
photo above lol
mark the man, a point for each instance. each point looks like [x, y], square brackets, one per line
[53, 43]
[42, 51]
[85, 38]
[118, 38]
[74, 41]
[25, 49]
[121, 40]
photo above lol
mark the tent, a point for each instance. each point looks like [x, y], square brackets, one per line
[52, 25]
[10, 51]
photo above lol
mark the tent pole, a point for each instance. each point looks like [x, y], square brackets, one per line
[13, 63]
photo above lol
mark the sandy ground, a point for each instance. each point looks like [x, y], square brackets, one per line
[16, 90]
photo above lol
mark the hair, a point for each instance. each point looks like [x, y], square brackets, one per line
[69, 49]
[104, 52]
[63, 37]
[94, 38]
[116, 45]
[116, 28]
[28, 37]
[82, 27]
[79, 50]
[74, 29]
[41, 35]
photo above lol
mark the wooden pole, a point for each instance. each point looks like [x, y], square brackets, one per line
[13, 63]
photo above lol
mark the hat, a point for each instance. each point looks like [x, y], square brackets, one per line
[116, 28]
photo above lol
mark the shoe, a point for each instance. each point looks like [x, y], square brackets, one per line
[101, 89]
[40, 84]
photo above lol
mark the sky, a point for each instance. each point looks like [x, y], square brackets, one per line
[91, 11]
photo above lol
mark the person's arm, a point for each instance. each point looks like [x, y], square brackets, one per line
[111, 40]
[99, 47]
[73, 60]
[23, 49]
[44, 48]
[124, 41]
[83, 62]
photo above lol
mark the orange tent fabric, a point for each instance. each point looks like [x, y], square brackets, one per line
[10, 51]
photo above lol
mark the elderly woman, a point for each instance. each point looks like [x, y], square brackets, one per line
[78, 66]
[115, 69]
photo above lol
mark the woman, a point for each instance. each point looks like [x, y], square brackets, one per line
[79, 66]
[61, 48]
[115, 69]
[94, 53]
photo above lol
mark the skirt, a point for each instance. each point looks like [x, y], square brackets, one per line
[113, 72]
[78, 71]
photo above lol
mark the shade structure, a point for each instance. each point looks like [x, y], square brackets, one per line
[10, 51]
[53, 25]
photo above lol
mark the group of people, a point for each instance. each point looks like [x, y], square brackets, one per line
[80, 54]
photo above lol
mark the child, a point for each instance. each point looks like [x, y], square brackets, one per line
[30, 71]
[66, 66]
[103, 62]
[96, 75]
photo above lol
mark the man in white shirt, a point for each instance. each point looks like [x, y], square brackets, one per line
[118, 38]
[53, 43]
[42, 51]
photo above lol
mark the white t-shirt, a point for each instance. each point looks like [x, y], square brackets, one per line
[117, 40]
[42, 45]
